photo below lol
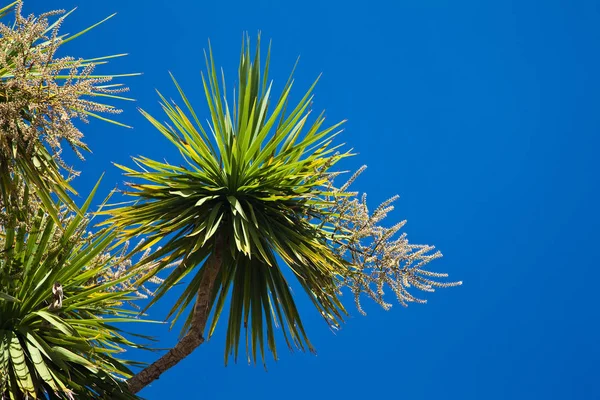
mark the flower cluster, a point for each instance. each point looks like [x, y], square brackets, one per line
[376, 255]
[41, 95]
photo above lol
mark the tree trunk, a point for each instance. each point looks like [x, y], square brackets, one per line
[193, 338]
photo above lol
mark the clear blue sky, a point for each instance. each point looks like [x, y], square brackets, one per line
[483, 116]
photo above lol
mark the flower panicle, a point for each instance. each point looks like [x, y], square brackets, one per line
[378, 257]
[40, 94]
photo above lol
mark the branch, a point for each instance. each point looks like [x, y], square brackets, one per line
[193, 338]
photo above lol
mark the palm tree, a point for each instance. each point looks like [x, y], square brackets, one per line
[240, 205]
[61, 292]
[254, 198]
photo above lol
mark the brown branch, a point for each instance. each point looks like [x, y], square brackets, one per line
[193, 338]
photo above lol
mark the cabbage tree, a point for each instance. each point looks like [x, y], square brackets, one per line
[253, 197]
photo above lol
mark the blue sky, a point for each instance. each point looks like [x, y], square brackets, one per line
[483, 116]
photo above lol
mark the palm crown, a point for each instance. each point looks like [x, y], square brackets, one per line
[61, 292]
[249, 195]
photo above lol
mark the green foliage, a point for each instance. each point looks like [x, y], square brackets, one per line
[255, 195]
[59, 299]
[254, 179]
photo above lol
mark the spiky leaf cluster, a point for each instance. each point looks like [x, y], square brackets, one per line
[59, 301]
[248, 182]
